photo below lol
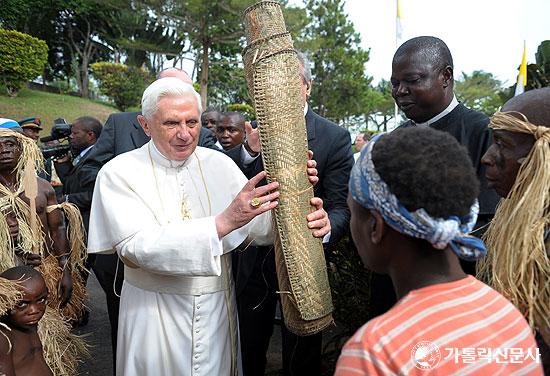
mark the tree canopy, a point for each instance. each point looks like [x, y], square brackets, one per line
[152, 34]
[479, 91]
[340, 83]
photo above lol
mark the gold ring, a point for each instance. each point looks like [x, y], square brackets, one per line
[255, 202]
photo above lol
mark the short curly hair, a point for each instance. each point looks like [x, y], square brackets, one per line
[429, 169]
[433, 51]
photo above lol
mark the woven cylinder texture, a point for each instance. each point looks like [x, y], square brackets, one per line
[272, 70]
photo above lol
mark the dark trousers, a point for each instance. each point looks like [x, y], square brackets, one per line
[105, 269]
[256, 306]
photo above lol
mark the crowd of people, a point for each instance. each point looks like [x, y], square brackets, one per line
[176, 212]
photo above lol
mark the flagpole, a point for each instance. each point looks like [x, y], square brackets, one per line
[397, 36]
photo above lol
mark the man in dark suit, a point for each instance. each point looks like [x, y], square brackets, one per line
[422, 87]
[255, 275]
[84, 134]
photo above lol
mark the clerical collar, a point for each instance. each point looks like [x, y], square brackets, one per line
[159, 158]
[446, 111]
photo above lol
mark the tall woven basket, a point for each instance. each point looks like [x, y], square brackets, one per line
[272, 72]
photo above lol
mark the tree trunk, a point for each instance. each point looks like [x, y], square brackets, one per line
[84, 92]
[78, 78]
[204, 75]
[85, 53]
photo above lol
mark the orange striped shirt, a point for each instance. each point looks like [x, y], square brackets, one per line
[457, 328]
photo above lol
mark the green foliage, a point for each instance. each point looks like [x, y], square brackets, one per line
[22, 58]
[479, 91]
[538, 75]
[340, 83]
[379, 105]
[543, 56]
[214, 30]
[227, 84]
[246, 109]
[197, 86]
[123, 84]
[350, 286]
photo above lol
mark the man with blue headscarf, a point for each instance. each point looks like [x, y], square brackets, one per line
[413, 202]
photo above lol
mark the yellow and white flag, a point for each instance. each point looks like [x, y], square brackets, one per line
[522, 76]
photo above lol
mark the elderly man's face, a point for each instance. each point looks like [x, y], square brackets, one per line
[175, 126]
[418, 87]
[502, 159]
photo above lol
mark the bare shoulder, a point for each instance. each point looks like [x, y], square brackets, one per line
[6, 352]
[6, 343]
[45, 187]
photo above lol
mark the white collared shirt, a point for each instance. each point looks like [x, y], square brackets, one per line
[82, 154]
[446, 111]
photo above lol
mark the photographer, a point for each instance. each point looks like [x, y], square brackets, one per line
[84, 134]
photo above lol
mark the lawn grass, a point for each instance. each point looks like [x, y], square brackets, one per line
[48, 106]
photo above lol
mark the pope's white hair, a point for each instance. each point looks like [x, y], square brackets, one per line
[164, 87]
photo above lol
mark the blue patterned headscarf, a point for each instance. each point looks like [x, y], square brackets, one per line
[371, 192]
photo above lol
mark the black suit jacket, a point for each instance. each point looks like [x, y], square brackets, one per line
[72, 178]
[331, 146]
[470, 128]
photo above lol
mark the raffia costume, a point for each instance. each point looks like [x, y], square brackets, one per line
[61, 348]
[517, 264]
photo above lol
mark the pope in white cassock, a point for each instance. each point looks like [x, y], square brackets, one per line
[173, 211]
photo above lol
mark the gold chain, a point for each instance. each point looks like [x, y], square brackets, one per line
[205, 186]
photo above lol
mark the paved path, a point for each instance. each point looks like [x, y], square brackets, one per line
[97, 333]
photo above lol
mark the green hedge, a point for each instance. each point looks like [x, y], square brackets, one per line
[246, 109]
[22, 58]
[123, 84]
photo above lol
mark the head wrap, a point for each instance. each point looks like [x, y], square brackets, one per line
[371, 192]
[9, 124]
[517, 265]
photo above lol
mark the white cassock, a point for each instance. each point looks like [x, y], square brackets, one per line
[177, 312]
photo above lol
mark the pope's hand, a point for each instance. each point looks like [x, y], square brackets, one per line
[318, 220]
[249, 203]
